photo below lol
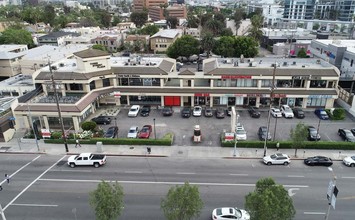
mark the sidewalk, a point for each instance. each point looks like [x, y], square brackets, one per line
[198, 152]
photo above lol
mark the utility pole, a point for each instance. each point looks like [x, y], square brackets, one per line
[269, 115]
[33, 129]
[58, 107]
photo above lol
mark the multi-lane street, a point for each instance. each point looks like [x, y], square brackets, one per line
[44, 187]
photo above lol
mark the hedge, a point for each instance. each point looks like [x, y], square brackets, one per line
[167, 140]
[323, 145]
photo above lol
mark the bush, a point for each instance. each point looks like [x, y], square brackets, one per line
[56, 135]
[88, 125]
[338, 114]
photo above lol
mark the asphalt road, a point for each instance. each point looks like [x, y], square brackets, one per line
[212, 127]
[42, 189]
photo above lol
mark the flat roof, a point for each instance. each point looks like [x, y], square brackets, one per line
[19, 80]
[10, 47]
[339, 43]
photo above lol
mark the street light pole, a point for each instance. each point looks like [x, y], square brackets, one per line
[331, 193]
[235, 137]
[155, 134]
[58, 108]
[269, 115]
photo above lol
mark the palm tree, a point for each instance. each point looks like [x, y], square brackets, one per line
[207, 43]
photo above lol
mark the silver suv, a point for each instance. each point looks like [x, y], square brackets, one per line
[277, 158]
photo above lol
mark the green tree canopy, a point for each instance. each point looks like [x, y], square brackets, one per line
[185, 46]
[149, 30]
[172, 22]
[139, 18]
[99, 47]
[107, 201]
[231, 46]
[48, 15]
[269, 201]
[16, 36]
[214, 26]
[256, 25]
[298, 136]
[302, 53]
[238, 17]
[207, 43]
[224, 46]
[226, 32]
[192, 21]
[182, 203]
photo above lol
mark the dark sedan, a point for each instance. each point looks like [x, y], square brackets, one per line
[254, 112]
[220, 113]
[111, 132]
[322, 114]
[313, 134]
[102, 120]
[318, 161]
[186, 112]
[167, 111]
[298, 112]
[262, 133]
[346, 134]
[145, 110]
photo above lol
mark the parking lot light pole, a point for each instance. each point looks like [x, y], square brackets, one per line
[331, 193]
[318, 129]
[235, 137]
[155, 134]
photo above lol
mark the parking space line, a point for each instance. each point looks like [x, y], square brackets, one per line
[291, 176]
[348, 177]
[24, 190]
[76, 170]
[186, 173]
[13, 174]
[34, 205]
[238, 174]
[314, 213]
[133, 171]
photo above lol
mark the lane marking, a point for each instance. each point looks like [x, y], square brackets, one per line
[24, 190]
[34, 205]
[133, 171]
[182, 173]
[295, 176]
[314, 213]
[21, 169]
[167, 183]
[76, 170]
[238, 174]
[348, 177]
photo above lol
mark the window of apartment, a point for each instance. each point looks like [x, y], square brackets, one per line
[75, 86]
[351, 63]
[135, 82]
[246, 83]
[345, 58]
[318, 84]
[266, 83]
[106, 82]
[92, 85]
[316, 101]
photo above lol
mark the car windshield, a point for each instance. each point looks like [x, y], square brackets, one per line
[238, 213]
[273, 156]
[145, 129]
[208, 110]
[276, 110]
[132, 131]
[109, 131]
[353, 157]
[323, 113]
[219, 211]
[241, 132]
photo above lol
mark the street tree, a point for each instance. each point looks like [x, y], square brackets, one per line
[245, 45]
[298, 136]
[269, 201]
[219, 17]
[226, 32]
[139, 18]
[238, 17]
[256, 25]
[48, 14]
[224, 46]
[185, 46]
[172, 22]
[16, 36]
[107, 200]
[149, 30]
[192, 21]
[214, 26]
[182, 203]
[207, 43]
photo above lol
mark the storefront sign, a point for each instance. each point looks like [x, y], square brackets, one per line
[202, 94]
[255, 95]
[117, 94]
[129, 76]
[235, 77]
[320, 96]
[279, 95]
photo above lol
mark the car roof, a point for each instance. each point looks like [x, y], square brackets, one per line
[133, 127]
[135, 106]
[227, 211]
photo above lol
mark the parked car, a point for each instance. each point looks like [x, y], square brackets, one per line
[133, 132]
[145, 110]
[262, 133]
[197, 111]
[227, 213]
[353, 131]
[287, 111]
[102, 120]
[229, 111]
[298, 112]
[145, 132]
[111, 132]
[346, 134]
[318, 161]
[322, 114]
[313, 134]
[277, 158]
[186, 112]
[349, 161]
[241, 134]
[87, 159]
[220, 113]
[275, 112]
[133, 111]
[208, 112]
[167, 111]
[254, 112]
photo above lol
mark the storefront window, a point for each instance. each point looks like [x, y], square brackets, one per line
[266, 83]
[318, 83]
[316, 101]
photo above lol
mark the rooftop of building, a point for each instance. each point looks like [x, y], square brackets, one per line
[18, 80]
[339, 43]
[167, 33]
[11, 47]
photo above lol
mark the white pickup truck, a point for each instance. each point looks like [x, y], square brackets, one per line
[85, 159]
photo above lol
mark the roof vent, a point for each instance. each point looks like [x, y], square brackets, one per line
[284, 64]
[318, 61]
[303, 66]
[273, 65]
[294, 63]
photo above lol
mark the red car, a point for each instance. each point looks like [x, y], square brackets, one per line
[145, 131]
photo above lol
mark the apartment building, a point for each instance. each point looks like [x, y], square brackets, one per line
[94, 78]
[9, 59]
[140, 5]
[161, 41]
[55, 38]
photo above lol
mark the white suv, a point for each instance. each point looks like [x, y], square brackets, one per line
[287, 111]
[277, 158]
[241, 134]
[133, 112]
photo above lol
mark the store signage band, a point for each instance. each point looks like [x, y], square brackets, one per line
[129, 76]
[202, 94]
[235, 77]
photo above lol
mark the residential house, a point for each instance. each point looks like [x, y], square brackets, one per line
[160, 41]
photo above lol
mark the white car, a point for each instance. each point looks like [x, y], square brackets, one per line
[287, 111]
[230, 213]
[275, 112]
[197, 111]
[133, 132]
[133, 111]
[240, 132]
[349, 161]
[277, 158]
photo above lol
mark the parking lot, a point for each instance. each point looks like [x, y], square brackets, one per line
[212, 127]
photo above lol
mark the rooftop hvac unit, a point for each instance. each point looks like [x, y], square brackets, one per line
[294, 63]
[284, 64]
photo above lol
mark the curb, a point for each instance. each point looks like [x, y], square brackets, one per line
[124, 155]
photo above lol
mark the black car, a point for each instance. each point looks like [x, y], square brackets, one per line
[254, 112]
[186, 112]
[346, 134]
[313, 134]
[145, 110]
[298, 112]
[262, 133]
[318, 161]
[111, 132]
[167, 111]
[102, 120]
[219, 113]
[229, 111]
